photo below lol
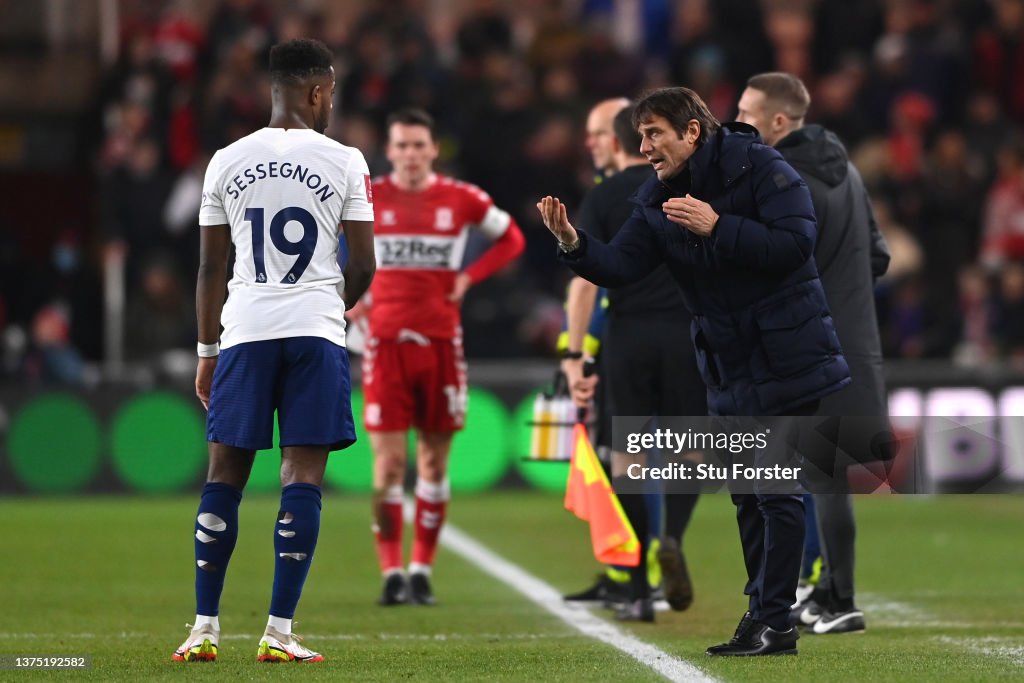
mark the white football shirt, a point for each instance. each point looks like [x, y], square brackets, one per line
[284, 193]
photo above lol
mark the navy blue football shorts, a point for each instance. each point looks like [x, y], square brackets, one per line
[305, 379]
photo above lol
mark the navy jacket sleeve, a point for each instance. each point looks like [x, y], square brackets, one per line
[783, 238]
[629, 257]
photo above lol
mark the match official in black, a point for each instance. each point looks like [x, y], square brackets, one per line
[645, 369]
[648, 371]
[735, 226]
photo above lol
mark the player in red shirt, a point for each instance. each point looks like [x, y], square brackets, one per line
[414, 371]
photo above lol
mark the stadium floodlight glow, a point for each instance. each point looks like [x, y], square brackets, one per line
[480, 452]
[54, 444]
[158, 442]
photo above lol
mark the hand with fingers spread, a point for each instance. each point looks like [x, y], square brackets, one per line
[696, 216]
[556, 219]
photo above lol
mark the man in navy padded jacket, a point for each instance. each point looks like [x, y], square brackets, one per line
[735, 225]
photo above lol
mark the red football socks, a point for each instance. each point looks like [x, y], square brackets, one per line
[387, 529]
[431, 505]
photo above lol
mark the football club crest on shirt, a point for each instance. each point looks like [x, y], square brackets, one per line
[444, 219]
[387, 217]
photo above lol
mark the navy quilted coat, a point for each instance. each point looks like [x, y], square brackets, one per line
[762, 330]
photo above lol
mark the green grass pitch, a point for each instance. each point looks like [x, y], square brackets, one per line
[941, 580]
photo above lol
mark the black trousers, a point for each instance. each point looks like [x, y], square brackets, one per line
[651, 369]
[772, 535]
[772, 527]
[837, 531]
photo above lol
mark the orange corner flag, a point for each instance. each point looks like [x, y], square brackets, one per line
[589, 495]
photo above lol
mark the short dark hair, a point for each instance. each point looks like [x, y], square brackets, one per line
[784, 91]
[412, 116]
[677, 106]
[296, 61]
[626, 132]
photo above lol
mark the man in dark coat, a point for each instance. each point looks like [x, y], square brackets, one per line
[735, 226]
[850, 253]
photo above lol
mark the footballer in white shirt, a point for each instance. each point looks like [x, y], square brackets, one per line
[280, 196]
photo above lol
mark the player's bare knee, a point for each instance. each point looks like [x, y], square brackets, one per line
[303, 465]
[229, 465]
[232, 475]
[432, 456]
[432, 471]
[291, 476]
[434, 445]
[390, 469]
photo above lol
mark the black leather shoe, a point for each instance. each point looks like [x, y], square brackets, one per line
[419, 587]
[395, 591]
[638, 610]
[742, 635]
[604, 590]
[754, 639]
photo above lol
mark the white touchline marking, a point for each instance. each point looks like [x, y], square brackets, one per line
[545, 595]
[953, 625]
[991, 646]
[895, 610]
[890, 613]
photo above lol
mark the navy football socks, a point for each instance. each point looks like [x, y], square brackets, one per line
[216, 531]
[295, 535]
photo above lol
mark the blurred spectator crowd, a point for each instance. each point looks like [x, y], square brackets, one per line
[928, 95]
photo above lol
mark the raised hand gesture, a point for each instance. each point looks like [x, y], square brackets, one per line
[552, 211]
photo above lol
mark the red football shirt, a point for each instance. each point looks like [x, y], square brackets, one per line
[420, 238]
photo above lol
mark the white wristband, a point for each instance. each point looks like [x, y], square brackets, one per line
[208, 350]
